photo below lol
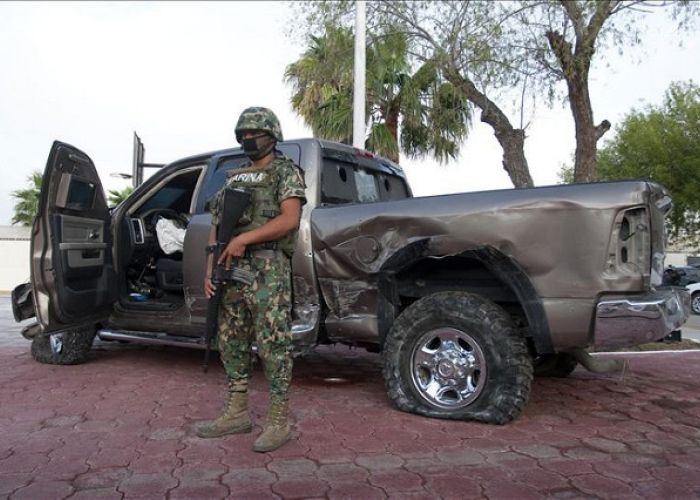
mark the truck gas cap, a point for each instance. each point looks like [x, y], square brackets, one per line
[367, 249]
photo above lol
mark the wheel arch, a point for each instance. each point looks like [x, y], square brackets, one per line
[485, 271]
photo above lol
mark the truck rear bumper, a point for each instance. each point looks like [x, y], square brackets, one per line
[630, 320]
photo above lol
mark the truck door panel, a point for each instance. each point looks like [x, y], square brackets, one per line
[72, 272]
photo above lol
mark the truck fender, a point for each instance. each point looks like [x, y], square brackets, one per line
[508, 271]
[514, 276]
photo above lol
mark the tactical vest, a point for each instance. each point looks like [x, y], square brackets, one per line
[263, 184]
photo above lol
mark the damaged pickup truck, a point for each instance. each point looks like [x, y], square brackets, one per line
[465, 296]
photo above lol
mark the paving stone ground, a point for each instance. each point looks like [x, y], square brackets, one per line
[119, 426]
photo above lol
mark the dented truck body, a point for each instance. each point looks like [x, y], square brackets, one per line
[562, 249]
[463, 294]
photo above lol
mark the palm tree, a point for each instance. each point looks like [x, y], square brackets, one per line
[27, 204]
[418, 112]
[116, 196]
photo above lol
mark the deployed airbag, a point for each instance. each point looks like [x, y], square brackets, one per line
[170, 235]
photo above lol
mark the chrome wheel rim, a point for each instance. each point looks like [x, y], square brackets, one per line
[696, 304]
[448, 368]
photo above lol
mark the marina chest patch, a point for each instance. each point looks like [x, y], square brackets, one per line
[249, 177]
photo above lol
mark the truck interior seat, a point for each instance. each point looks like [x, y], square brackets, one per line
[169, 275]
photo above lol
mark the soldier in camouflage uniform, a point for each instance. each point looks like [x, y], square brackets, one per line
[263, 243]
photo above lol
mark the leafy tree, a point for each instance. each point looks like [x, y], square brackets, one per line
[463, 40]
[319, 79]
[563, 36]
[662, 143]
[566, 174]
[27, 204]
[433, 116]
[468, 41]
[490, 49]
[116, 196]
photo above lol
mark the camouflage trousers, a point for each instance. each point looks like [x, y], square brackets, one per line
[260, 312]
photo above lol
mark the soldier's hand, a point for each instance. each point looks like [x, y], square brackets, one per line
[234, 250]
[209, 288]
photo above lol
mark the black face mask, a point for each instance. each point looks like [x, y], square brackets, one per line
[257, 148]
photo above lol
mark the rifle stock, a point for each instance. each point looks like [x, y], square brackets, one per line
[235, 201]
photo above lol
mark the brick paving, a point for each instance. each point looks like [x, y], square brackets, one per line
[119, 426]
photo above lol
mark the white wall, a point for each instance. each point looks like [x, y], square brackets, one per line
[14, 256]
[14, 263]
[676, 259]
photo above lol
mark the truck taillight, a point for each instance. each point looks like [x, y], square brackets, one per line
[630, 246]
[634, 237]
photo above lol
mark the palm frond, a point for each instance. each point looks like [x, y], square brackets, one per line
[428, 115]
[381, 141]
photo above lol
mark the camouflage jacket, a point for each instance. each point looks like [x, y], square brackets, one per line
[269, 186]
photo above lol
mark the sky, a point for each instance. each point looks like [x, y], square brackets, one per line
[179, 74]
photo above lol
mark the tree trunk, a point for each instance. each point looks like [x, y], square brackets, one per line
[587, 133]
[511, 139]
[392, 123]
[575, 65]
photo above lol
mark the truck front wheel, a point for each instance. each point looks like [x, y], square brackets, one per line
[68, 347]
[457, 355]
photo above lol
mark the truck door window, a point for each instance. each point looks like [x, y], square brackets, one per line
[175, 194]
[80, 195]
[75, 193]
[219, 177]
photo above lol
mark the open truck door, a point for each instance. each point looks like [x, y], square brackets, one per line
[72, 271]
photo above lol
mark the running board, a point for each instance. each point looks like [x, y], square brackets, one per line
[151, 338]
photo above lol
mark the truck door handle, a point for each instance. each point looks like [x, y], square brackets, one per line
[94, 234]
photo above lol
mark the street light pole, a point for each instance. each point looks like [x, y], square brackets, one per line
[358, 118]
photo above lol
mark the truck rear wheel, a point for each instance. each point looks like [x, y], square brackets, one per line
[69, 347]
[457, 355]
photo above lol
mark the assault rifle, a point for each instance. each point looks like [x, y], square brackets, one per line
[235, 201]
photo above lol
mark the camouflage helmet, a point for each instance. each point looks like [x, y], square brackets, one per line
[258, 118]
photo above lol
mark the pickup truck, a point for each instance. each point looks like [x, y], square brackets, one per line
[465, 295]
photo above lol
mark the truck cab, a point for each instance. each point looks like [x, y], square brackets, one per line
[96, 271]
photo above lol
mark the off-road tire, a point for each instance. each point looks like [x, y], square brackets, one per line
[559, 365]
[76, 346]
[506, 386]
